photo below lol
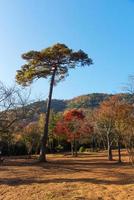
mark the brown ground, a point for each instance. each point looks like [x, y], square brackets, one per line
[63, 177]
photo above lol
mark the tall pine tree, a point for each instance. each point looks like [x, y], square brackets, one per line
[54, 63]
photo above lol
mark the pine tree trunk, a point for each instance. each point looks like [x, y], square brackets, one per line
[44, 138]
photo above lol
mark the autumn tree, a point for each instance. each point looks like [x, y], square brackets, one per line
[124, 127]
[120, 117]
[104, 117]
[128, 138]
[54, 118]
[13, 102]
[31, 137]
[87, 136]
[54, 63]
[70, 126]
[123, 117]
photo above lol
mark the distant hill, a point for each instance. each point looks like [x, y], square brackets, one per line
[89, 101]
[40, 106]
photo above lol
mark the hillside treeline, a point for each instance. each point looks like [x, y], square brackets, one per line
[91, 122]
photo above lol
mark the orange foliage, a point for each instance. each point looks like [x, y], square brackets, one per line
[73, 125]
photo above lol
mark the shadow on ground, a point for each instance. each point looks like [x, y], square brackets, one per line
[18, 181]
[84, 169]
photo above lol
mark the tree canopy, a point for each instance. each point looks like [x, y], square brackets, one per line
[40, 63]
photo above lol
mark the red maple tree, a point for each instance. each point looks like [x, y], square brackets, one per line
[73, 126]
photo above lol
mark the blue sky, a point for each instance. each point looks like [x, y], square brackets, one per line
[102, 28]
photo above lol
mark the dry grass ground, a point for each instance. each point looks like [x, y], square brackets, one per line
[89, 176]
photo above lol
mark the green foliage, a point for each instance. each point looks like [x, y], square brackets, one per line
[40, 64]
[31, 137]
[83, 101]
[54, 118]
[59, 148]
[87, 101]
[82, 149]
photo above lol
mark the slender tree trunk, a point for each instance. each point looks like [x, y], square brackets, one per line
[93, 144]
[119, 150]
[104, 144]
[72, 148]
[58, 140]
[75, 147]
[52, 145]
[110, 156]
[44, 138]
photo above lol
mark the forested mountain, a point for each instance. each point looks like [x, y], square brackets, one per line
[89, 101]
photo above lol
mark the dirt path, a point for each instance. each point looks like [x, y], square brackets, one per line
[88, 177]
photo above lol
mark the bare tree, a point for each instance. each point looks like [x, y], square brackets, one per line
[13, 109]
[129, 87]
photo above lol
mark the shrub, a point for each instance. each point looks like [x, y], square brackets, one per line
[81, 149]
[59, 148]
